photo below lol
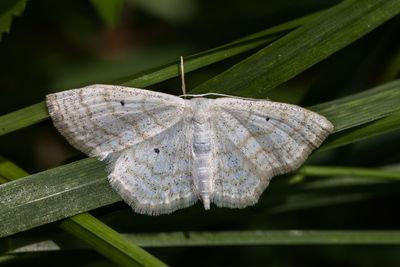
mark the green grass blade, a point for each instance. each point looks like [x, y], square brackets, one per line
[380, 126]
[364, 185]
[363, 107]
[10, 171]
[302, 48]
[237, 238]
[392, 68]
[349, 171]
[288, 237]
[92, 231]
[9, 9]
[108, 242]
[38, 112]
[306, 200]
[23, 118]
[108, 10]
[40, 198]
[213, 55]
[84, 184]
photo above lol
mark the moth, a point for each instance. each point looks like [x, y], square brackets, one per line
[165, 153]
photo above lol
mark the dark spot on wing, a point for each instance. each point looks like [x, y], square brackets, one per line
[122, 102]
[157, 150]
[267, 119]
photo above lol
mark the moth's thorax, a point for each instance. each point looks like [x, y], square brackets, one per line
[199, 106]
[201, 148]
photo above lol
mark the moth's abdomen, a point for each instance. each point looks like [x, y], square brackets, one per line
[202, 152]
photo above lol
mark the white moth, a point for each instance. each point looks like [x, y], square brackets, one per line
[164, 152]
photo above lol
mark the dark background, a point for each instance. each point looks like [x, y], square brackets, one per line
[59, 45]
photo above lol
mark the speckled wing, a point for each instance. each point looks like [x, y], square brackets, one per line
[103, 119]
[154, 177]
[256, 140]
[143, 134]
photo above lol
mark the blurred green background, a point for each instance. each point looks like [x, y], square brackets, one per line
[59, 45]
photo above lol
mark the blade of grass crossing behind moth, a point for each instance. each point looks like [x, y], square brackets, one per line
[302, 48]
[38, 112]
[87, 228]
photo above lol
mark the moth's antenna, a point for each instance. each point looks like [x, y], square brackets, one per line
[183, 78]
